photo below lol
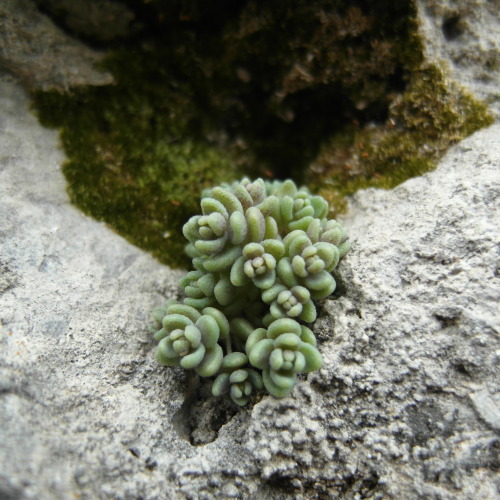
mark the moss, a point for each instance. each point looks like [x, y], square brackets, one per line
[324, 92]
[137, 159]
[423, 122]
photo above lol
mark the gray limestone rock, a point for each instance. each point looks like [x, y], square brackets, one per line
[406, 405]
[464, 36]
[40, 54]
[102, 20]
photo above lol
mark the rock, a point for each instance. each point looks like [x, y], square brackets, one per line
[406, 405]
[101, 20]
[40, 54]
[464, 36]
[403, 407]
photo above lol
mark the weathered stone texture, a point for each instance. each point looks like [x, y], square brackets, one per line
[406, 405]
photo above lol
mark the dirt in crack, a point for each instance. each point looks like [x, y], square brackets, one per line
[201, 416]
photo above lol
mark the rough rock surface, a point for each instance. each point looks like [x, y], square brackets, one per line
[40, 54]
[101, 20]
[465, 36]
[406, 406]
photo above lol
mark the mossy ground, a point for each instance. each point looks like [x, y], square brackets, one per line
[330, 94]
[137, 156]
[423, 122]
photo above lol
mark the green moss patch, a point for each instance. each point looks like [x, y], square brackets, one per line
[423, 122]
[136, 158]
[325, 92]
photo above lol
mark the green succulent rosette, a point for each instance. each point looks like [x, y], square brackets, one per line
[199, 288]
[282, 351]
[257, 264]
[263, 253]
[293, 302]
[237, 379]
[189, 339]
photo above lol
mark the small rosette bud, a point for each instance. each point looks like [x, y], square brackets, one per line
[315, 258]
[237, 379]
[294, 302]
[258, 264]
[333, 232]
[189, 339]
[199, 289]
[283, 350]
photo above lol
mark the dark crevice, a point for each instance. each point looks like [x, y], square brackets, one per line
[453, 28]
[201, 416]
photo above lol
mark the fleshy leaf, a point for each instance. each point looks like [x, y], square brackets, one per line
[221, 261]
[314, 230]
[313, 358]
[193, 292]
[207, 283]
[281, 326]
[209, 247]
[244, 196]
[190, 228]
[210, 205]
[220, 318]
[175, 321]
[308, 313]
[211, 362]
[209, 330]
[242, 328]
[221, 385]
[194, 359]
[275, 247]
[320, 206]
[237, 228]
[238, 376]
[319, 281]
[286, 208]
[299, 266]
[285, 382]
[166, 349]
[256, 224]
[265, 281]
[272, 388]
[271, 231]
[285, 272]
[224, 291]
[256, 336]
[298, 243]
[268, 206]
[255, 379]
[237, 275]
[260, 352]
[271, 293]
[228, 199]
[161, 358]
[301, 224]
[344, 248]
[287, 341]
[199, 303]
[234, 361]
[160, 334]
[307, 336]
[193, 335]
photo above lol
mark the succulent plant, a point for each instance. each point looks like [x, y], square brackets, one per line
[282, 351]
[237, 378]
[262, 253]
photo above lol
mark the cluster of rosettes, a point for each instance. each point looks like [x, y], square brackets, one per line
[262, 253]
